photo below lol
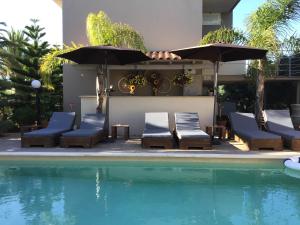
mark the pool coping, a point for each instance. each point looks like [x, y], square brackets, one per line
[150, 156]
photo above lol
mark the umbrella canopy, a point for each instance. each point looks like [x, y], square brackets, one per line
[219, 52]
[105, 55]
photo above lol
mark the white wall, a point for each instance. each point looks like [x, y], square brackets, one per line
[167, 24]
[131, 109]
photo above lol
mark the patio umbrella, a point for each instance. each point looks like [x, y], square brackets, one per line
[104, 55]
[220, 52]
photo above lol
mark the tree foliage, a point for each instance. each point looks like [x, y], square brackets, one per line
[224, 35]
[102, 31]
[22, 56]
[52, 65]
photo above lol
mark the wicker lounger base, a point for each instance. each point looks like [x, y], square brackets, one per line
[294, 144]
[85, 142]
[195, 143]
[39, 141]
[260, 144]
[166, 143]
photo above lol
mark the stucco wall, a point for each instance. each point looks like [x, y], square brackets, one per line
[131, 110]
[166, 24]
[77, 81]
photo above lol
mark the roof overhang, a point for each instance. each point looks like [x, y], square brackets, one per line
[208, 5]
[219, 6]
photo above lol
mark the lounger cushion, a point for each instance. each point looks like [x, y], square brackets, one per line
[91, 121]
[92, 124]
[157, 134]
[192, 134]
[278, 119]
[82, 133]
[188, 126]
[62, 120]
[280, 122]
[59, 122]
[244, 125]
[243, 122]
[257, 135]
[157, 125]
[156, 121]
[45, 132]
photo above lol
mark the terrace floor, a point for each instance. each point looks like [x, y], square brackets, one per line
[131, 149]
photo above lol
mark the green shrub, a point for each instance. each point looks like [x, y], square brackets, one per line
[5, 126]
[25, 115]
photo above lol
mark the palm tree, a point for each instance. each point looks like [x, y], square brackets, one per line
[265, 26]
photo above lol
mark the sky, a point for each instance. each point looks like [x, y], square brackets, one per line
[50, 16]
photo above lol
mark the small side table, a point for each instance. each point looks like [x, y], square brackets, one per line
[114, 131]
[220, 130]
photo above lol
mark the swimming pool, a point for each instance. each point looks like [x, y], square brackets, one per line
[127, 193]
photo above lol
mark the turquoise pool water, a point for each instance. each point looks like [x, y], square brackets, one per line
[101, 193]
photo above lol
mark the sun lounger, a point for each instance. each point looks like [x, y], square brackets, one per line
[59, 123]
[157, 132]
[245, 127]
[92, 130]
[279, 122]
[189, 133]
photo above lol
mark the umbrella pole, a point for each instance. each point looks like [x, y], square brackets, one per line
[216, 71]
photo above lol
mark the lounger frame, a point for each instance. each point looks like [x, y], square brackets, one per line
[150, 142]
[189, 143]
[293, 144]
[85, 142]
[260, 144]
[45, 141]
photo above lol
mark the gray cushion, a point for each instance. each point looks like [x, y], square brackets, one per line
[243, 121]
[82, 133]
[62, 120]
[157, 134]
[45, 132]
[192, 134]
[91, 121]
[91, 124]
[279, 122]
[244, 124]
[257, 135]
[187, 126]
[156, 125]
[156, 121]
[278, 119]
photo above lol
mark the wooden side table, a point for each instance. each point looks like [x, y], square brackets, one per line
[114, 131]
[220, 130]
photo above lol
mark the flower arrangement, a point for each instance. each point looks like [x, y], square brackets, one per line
[182, 79]
[134, 81]
[138, 80]
[155, 81]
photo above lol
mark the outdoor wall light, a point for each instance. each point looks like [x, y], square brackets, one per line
[110, 89]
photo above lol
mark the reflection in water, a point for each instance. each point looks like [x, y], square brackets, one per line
[135, 195]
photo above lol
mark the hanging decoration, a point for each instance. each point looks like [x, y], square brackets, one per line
[155, 82]
[182, 79]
